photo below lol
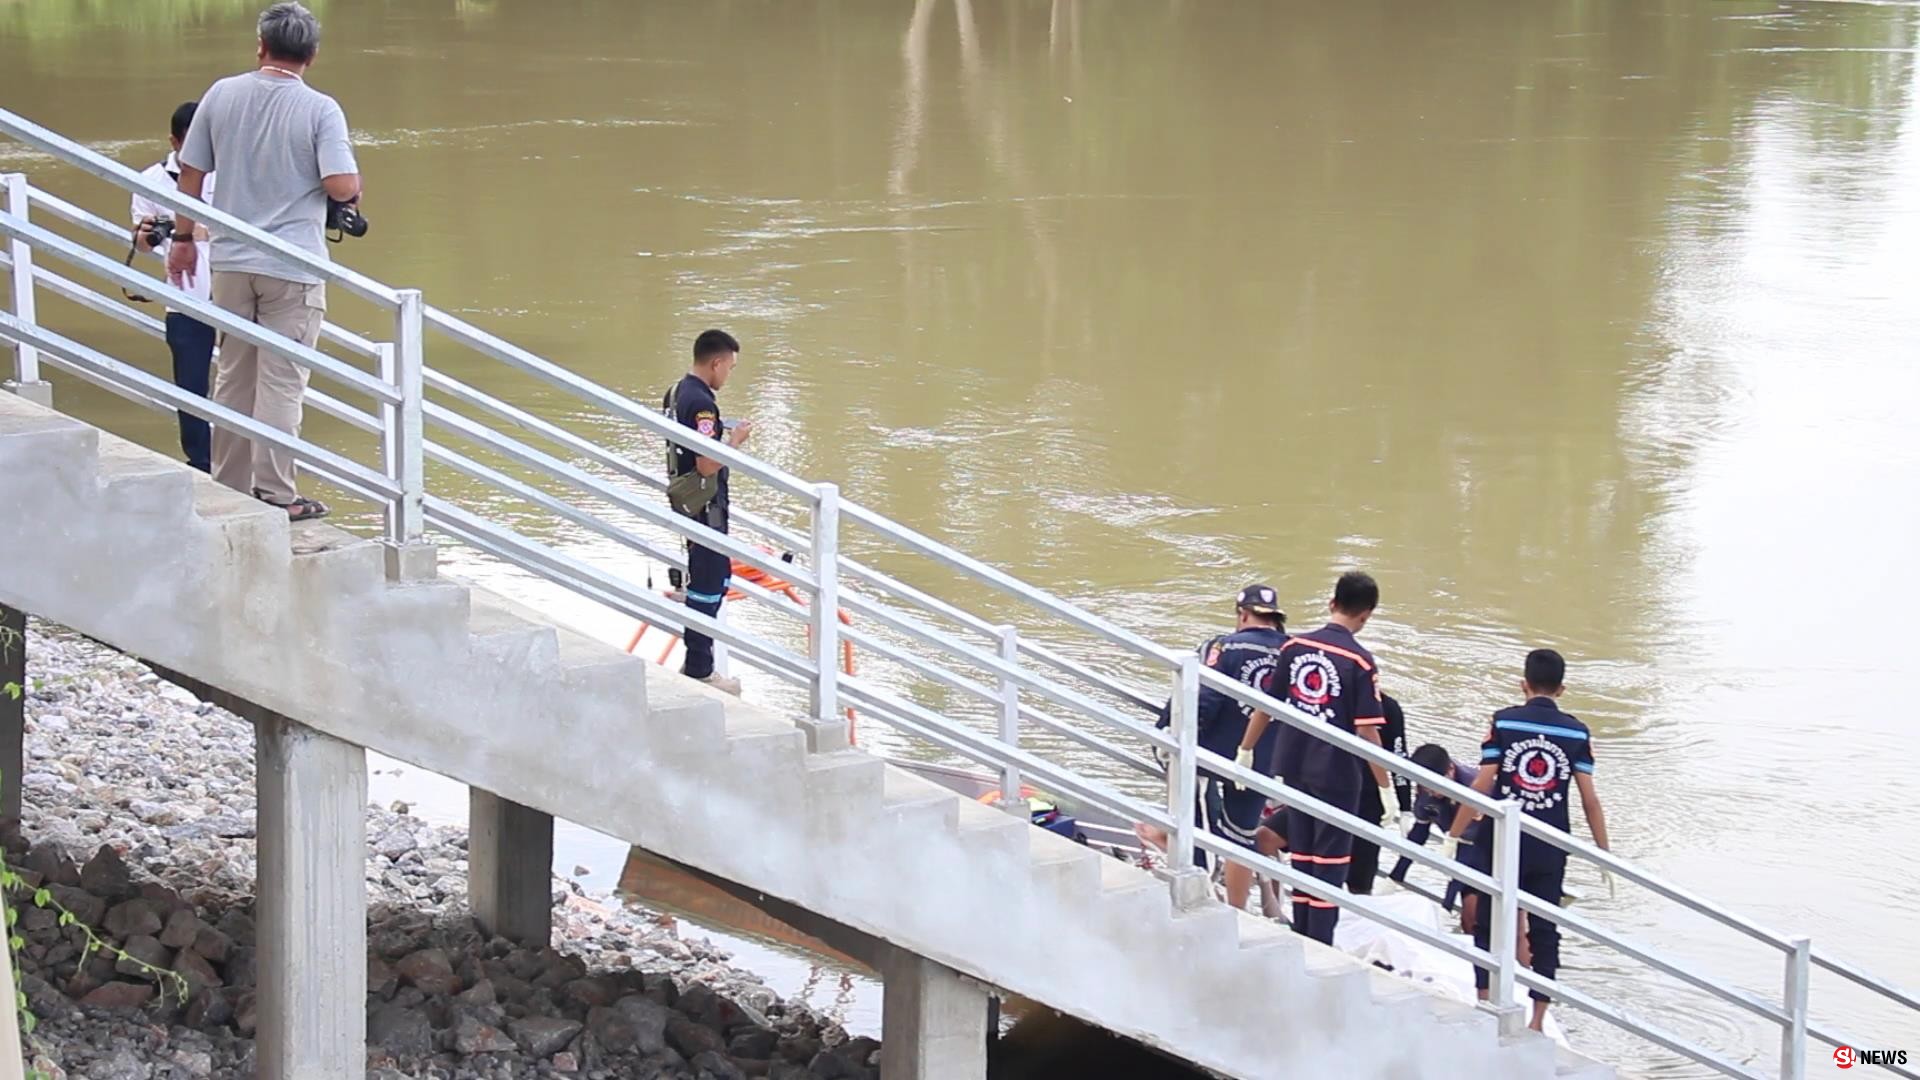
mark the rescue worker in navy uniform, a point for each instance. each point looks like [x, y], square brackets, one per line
[697, 488]
[1328, 674]
[1539, 755]
[1366, 853]
[1431, 808]
[1248, 654]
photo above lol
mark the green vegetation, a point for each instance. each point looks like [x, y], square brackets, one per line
[42, 21]
[11, 884]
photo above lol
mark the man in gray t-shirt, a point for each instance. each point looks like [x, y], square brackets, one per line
[282, 151]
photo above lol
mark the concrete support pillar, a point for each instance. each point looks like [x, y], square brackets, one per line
[13, 711]
[933, 1021]
[510, 868]
[312, 918]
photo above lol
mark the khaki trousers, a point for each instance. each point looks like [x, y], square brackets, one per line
[261, 384]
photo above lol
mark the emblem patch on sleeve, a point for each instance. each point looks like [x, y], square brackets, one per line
[704, 424]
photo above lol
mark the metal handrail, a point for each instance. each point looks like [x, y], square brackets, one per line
[522, 454]
[788, 538]
[225, 225]
[244, 329]
[99, 226]
[616, 403]
[402, 414]
[89, 363]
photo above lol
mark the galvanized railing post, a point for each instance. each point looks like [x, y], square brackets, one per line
[402, 441]
[1010, 798]
[1191, 887]
[26, 380]
[1793, 1035]
[1506, 920]
[823, 702]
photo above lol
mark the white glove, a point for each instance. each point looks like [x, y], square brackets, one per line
[1391, 822]
[1242, 757]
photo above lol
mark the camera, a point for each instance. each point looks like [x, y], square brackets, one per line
[159, 231]
[344, 219]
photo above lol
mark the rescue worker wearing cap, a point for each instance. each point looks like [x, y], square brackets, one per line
[1248, 654]
[1326, 674]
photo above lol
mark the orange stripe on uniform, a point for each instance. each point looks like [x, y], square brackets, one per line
[1324, 647]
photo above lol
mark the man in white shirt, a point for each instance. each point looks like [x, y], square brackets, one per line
[189, 339]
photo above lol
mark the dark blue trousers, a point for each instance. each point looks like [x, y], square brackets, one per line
[1324, 851]
[707, 575]
[191, 342]
[1544, 878]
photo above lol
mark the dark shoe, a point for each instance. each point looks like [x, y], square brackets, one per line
[300, 509]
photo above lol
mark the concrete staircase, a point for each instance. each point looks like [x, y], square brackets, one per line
[124, 545]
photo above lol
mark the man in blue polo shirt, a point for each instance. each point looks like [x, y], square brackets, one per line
[1538, 755]
[1248, 654]
[1325, 673]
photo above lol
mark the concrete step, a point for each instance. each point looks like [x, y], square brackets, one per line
[995, 840]
[1568, 1065]
[918, 807]
[1060, 867]
[842, 792]
[503, 635]
[55, 453]
[1531, 1052]
[682, 719]
[143, 489]
[1260, 934]
[1141, 895]
[1211, 930]
[1463, 1015]
[765, 751]
[1341, 986]
[1404, 1003]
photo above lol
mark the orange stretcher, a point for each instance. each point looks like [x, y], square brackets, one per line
[772, 584]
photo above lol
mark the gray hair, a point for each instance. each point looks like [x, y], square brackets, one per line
[290, 32]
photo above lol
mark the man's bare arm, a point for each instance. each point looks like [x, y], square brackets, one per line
[344, 187]
[1256, 727]
[1596, 814]
[706, 466]
[192, 182]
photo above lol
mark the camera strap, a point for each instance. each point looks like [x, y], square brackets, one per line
[133, 251]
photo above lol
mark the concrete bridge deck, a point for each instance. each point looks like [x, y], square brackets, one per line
[301, 627]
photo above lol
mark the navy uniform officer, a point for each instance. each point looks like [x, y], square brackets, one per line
[697, 488]
[1248, 654]
[1366, 853]
[1328, 674]
[1430, 807]
[1538, 755]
